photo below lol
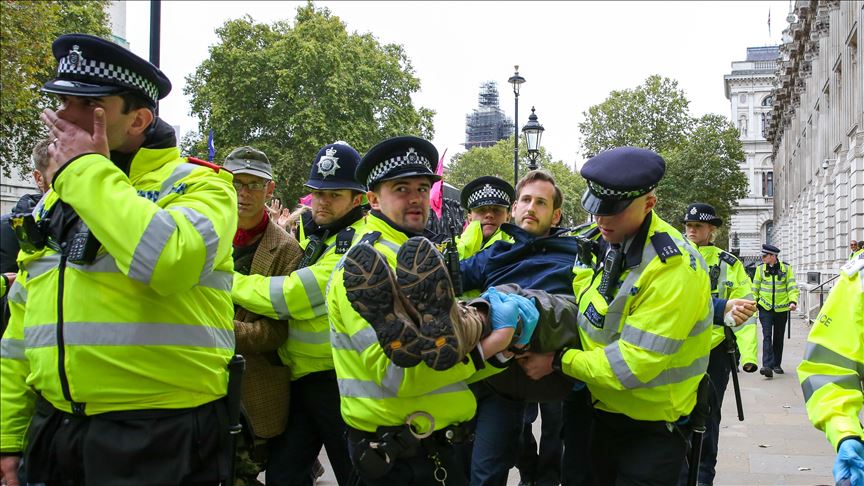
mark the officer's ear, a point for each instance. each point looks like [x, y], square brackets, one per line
[650, 202]
[357, 199]
[143, 118]
[374, 202]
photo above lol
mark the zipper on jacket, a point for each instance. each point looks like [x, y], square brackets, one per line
[77, 408]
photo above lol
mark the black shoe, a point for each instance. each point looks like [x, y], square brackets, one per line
[778, 370]
[422, 275]
[766, 372]
[371, 288]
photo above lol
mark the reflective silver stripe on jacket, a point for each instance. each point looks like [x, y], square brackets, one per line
[129, 334]
[308, 337]
[313, 291]
[208, 233]
[814, 382]
[650, 341]
[17, 293]
[389, 244]
[354, 388]
[180, 172]
[12, 348]
[150, 246]
[358, 342]
[277, 297]
[666, 377]
[816, 353]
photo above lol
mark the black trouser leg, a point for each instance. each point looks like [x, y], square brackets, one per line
[719, 368]
[780, 319]
[527, 460]
[551, 445]
[578, 425]
[766, 318]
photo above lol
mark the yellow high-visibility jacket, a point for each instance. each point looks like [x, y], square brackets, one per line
[832, 371]
[300, 298]
[375, 391]
[646, 350]
[732, 283]
[148, 324]
[775, 292]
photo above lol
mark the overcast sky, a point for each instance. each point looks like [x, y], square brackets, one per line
[571, 54]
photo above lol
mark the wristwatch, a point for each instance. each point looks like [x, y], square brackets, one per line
[556, 360]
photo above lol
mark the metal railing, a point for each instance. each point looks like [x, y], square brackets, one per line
[821, 289]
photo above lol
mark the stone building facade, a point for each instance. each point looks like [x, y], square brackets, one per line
[817, 136]
[748, 88]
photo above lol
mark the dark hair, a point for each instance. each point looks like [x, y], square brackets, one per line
[541, 175]
[40, 155]
[134, 101]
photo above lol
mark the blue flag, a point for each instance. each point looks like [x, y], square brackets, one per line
[211, 149]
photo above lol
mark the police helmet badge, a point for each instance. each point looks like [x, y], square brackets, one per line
[328, 164]
[693, 210]
[74, 57]
[411, 155]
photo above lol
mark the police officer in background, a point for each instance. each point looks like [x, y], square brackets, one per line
[833, 368]
[488, 200]
[314, 417]
[123, 293]
[645, 324]
[776, 293]
[729, 282]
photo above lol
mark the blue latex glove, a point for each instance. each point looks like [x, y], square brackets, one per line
[850, 462]
[507, 310]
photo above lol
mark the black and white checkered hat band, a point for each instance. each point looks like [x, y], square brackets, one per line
[386, 166]
[607, 193]
[705, 217]
[488, 193]
[106, 71]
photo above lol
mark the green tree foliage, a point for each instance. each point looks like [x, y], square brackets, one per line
[702, 154]
[27, 29]
[654, 115]
[497, 160]
[290, 88]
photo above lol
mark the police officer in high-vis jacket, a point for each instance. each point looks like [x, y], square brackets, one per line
[402, 346]
[776, 293]
[114, 366]
[488, 200]
[729, 281]
[314, 417]
[832, 371]
[645, 323]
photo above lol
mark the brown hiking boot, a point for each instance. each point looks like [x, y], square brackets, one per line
[452, 329]
[371, 289]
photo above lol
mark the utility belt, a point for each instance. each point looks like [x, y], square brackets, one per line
[374, 453]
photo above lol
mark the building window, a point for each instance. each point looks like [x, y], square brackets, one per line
[769, 232]
[768, 184]
[768, 101]
[742, 126]
[766, 120]
[742, 99]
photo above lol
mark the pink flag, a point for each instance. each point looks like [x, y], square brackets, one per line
[306, 200]
[436, 194]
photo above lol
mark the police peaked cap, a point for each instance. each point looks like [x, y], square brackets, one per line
[702, 213]
[398, 157]
[770, 249]
[91, 66]
[334, 167]
[618, 176]
[487, 191]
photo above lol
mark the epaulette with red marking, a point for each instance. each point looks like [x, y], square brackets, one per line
[204, 163]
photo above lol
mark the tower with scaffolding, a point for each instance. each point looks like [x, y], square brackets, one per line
[487, 124]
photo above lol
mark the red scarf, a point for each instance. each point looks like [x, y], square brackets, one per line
[244, 237]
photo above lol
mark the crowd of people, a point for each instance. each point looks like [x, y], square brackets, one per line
[143, 275]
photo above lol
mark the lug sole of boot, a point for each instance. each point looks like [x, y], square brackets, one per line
[371, 289]
[422, 276]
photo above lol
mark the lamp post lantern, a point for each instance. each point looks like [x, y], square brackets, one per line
[533, 130]
[516, 81]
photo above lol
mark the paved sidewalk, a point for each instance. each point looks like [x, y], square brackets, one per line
[775, 444]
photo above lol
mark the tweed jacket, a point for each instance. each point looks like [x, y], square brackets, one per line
[266, 381]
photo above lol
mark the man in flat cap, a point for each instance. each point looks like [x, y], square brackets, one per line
[488, 200]
[402, 346]
[776, 293]
[645, 325]
[729, 283]
[314, 418]
[261, 248]
[124, 291]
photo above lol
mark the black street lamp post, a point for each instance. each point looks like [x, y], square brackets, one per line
[516, 81]
[533, 130]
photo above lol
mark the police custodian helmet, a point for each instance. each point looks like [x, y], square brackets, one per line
[702, 213]
[334, 167]
[487, 191]
[91, 66]
[398, 157]
[618, 176]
